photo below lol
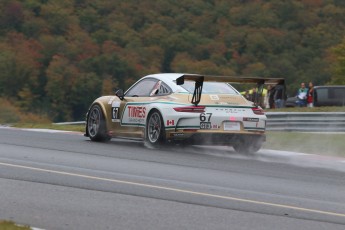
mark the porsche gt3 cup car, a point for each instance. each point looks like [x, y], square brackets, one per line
[188, 108]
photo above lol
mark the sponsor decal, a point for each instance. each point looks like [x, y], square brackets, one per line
[177, 134]
[115, 104]
[111, 100]
[136, 114]
[215, 127]
[251, 119]
[226, 103]
[214, 97]
[136, 111]
[170, 122]
[230, 110]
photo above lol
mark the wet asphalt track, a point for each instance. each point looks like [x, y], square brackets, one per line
[65, 181]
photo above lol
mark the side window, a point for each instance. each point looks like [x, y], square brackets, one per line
[322, 94]
[142, 88]
[160, 89]
[339, 93]
[164, 90]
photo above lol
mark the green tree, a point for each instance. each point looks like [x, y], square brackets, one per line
[61, 78]
[72, 44]
[338, 67]
[85, 89]
[59, 16]
[12, 15]
[19, 65]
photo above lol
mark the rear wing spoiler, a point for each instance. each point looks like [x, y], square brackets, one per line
[200, 79]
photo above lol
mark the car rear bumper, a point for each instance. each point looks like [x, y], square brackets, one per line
[212, 138]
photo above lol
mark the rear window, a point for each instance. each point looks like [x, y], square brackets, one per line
[210, 87]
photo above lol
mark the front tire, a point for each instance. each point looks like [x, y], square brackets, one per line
[96, 127]
[155, 129]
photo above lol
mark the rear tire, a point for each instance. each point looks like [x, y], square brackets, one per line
[248, 145]
[96, 127]
[155, 129]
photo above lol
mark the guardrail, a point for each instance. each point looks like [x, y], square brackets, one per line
[292, 121]
[306, 121]
[70, 123]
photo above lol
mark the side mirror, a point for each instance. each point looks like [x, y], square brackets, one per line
[120, 94]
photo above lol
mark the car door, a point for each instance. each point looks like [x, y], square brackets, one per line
[133, 108]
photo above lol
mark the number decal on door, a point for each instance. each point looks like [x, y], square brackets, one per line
[115, 114]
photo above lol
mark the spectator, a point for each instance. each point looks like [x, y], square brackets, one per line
[270, 93]
[310, 95]
[302, 96]
[253, 95]
[266, 97]
[246, 95]
[279, 98]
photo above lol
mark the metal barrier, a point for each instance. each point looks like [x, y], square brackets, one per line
[293, 121]
[70, 123]
[306, 121]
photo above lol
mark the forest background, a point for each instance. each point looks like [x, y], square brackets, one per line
[56, 57]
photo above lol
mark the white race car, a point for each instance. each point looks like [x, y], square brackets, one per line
[184, 108]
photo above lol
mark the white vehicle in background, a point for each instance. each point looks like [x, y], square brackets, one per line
[188, 108]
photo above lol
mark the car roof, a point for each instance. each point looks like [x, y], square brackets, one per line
[171, 78]
[165, 76]
[168, 78]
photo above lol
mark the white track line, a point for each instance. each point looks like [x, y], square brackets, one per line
[175, 190]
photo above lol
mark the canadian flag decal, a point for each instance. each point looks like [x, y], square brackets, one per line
[170, 122]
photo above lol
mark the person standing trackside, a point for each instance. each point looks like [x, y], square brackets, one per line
[279, 98]
[310, 95]
[302, 96]
[253, 95]
[266, 97]
[271, 91]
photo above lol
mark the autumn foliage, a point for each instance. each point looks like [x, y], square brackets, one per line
[56, 57]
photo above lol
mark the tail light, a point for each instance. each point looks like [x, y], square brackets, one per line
[190, 109]
[258, 111]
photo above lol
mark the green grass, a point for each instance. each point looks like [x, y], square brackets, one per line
[76, 128]
[314, 109]
[316, 143]
[8, 225]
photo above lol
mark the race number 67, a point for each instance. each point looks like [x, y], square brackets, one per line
[205, 116]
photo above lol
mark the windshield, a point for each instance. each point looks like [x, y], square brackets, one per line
[210, 87]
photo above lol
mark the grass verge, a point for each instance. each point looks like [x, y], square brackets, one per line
[313, 109]
[76, 128]
[316, 143]
[9, 225]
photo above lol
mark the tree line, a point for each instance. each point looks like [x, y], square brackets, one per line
[56, 57]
